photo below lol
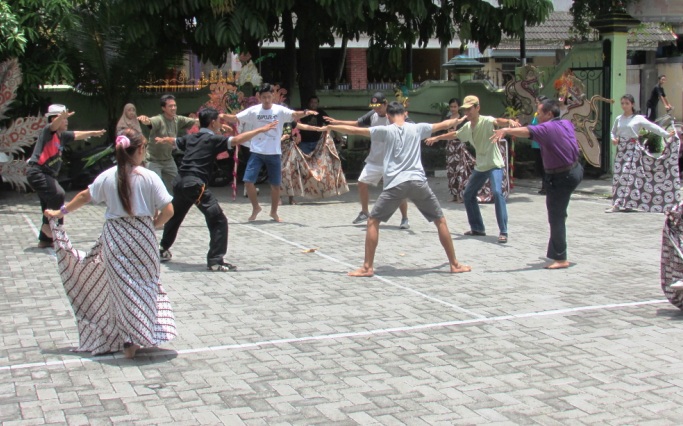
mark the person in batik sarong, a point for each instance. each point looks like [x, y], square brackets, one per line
[114, 289]
[459, 161]
[642, 181]
[314, 175]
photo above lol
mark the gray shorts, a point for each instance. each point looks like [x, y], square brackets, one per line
[416, 191]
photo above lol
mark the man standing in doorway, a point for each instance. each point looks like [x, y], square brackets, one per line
[165, 126]
[657, 95]
[372, 172]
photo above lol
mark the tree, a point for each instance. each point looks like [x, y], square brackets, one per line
[42, 23]
[584, 11]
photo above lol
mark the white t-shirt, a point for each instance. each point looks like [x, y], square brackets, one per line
[372, 119]
[267, 143]
[148, 193]
[629, 127]
[401, 145]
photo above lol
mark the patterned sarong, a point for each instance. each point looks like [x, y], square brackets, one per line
[114, 289]
[459, 166]
[672, 255]
[645, 182]
[315, 175]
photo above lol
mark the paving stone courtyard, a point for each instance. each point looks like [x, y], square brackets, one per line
[290, 339]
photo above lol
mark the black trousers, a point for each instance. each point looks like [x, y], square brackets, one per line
[189, 191]
[559, 188]
[50, 193]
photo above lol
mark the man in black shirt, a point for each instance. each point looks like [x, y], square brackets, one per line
[190, 185]
[310, 139]
[655, 96]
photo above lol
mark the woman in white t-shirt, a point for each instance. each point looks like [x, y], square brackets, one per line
[114, 289]
[641, 181]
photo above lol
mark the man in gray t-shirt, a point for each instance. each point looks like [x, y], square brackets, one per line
[404, 178]
[372, 172]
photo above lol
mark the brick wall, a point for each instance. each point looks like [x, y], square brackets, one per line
[357, 68]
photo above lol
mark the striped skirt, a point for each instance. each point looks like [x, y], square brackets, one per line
[114, 288]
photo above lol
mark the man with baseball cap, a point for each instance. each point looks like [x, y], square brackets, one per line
[478, 131]
[374, 163]
[46, 161]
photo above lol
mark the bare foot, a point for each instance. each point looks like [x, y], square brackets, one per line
[558, 264]
[362, 272]
[129, 352]
[275, 217]
[254, 213]
[458, 268]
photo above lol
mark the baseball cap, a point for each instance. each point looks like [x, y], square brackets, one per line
[377, 100]
[469, 102]
[55, 109]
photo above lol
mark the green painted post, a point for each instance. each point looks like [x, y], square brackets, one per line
[617, 80]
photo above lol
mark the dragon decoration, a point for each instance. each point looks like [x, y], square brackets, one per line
[582, 113]
[521, 94]
[20, 134]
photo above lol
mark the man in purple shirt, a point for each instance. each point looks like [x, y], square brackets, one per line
[563, 172]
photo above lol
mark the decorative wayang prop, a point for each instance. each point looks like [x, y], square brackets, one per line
[582, 113]
[20, 134]
[520, 100]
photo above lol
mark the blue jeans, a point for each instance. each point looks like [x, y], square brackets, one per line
[273, 165]
[477, 180]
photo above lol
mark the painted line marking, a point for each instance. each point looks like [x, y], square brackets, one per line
[378, 277]
[341, 336]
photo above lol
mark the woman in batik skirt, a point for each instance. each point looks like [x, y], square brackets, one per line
[313, 175]
[642, 181]
[460, 163]
[114, 289]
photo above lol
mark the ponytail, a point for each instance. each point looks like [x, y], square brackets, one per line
[127, 142]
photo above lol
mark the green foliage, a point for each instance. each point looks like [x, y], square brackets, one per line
[584, 11]
[42, 24]
[12, 39]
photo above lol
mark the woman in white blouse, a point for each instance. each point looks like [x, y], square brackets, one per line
[634, 188]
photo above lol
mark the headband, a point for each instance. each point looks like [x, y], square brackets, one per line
[123, 142]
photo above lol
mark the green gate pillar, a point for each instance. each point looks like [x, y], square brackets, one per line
[613, 29]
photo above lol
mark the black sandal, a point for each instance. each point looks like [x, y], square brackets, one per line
[502, 238]
[475, 234]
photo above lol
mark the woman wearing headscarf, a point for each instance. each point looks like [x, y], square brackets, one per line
[128, 120]
[114, 289]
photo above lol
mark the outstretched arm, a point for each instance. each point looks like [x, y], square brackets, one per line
[349, 130]
[57, 122]
[80, 135]
[297, 115]
[447, 124]
[501, 122]
[230, 118]
[340, 122]
[520, 132]
[245, 136]
[81, 199]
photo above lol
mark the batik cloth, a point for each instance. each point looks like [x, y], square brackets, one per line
[114, 289]
[315, 175]
[459, 165]
[672, 255]
[645, 182]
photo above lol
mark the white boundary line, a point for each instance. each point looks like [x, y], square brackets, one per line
[337, 336]
[377, 277]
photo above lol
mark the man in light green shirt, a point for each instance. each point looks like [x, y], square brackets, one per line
[165, 127]
[478, 131]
